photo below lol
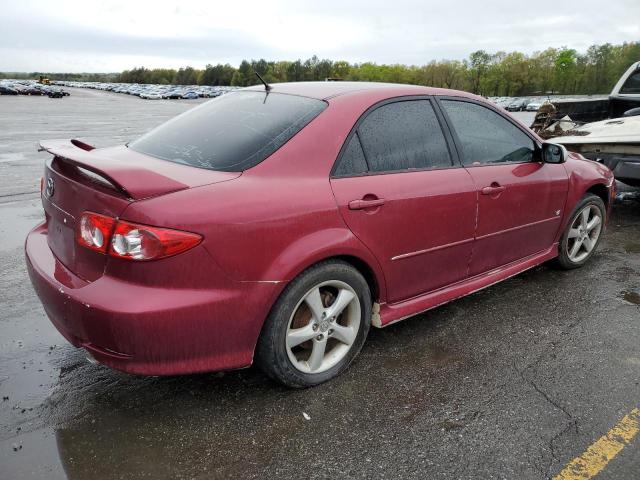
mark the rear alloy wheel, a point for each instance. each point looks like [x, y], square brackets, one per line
[579, 241]
[323, 327]
[317, 326]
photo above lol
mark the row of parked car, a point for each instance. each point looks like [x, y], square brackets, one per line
[520, 104]
[30, 87]
[153, 92]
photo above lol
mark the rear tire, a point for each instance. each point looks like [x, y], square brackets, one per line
[317, 326]
[583, 233]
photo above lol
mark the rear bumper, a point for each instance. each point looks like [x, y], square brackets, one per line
[150, 330]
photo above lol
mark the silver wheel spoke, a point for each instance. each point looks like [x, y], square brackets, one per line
[308, 346]
[300, 335]
[595, 221]
[343, 334]
[343, 299]
[576, 247]
[314, 302]
[584, 218]
[588, 243]
[574, 233]
[317, 354]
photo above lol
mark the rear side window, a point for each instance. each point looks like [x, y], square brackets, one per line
[403, 135]
[352, 161]
[233, 132]
[487, 137]
[632, 85]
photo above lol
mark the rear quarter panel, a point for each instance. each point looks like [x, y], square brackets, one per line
[277, 218]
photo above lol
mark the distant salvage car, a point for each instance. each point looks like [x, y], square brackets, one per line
[6, 90]
[518, 105]
[533, 106]
[622, 101]
[279, 225]
[614, 142]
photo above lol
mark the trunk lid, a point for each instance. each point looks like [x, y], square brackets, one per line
[80, 178]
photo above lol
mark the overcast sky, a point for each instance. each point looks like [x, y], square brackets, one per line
[112, 35]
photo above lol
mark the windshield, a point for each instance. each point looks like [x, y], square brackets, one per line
[233, 132]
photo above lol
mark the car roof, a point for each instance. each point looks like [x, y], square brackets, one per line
[327, 90]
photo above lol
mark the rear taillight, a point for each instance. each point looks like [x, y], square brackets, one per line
[95, 231]
[141, 242]
[132, 241]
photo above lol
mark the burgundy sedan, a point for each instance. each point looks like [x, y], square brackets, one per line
[279, 225]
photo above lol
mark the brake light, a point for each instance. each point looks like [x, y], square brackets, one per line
[140, 242]
[132, 241]
[95, 231]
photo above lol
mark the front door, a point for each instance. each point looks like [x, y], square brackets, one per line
[399, 192]
[520, 199]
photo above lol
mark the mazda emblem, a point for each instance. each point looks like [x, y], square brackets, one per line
[50, 187]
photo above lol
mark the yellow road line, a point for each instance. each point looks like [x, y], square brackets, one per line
[600, 453]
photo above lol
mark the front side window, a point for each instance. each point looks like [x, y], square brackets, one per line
[632, 85]
[487, 137]
[231, 133]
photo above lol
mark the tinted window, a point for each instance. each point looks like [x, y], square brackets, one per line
[352, 161]
[230, 133]
[403, 135]
[487, 137]
[632, 85]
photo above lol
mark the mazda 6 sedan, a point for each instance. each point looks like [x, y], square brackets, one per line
[276, 224]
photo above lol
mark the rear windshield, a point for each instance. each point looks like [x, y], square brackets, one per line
[231, 133]
[632, 85]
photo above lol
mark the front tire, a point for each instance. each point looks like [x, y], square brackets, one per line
[317, 326]
[583, 233]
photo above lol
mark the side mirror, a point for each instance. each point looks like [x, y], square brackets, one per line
[632, 112]
[554, 153]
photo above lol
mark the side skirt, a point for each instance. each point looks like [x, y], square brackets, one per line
[394, 312]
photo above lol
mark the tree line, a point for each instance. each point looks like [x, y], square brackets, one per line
[551, 71]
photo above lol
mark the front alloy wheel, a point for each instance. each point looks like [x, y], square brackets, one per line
[582, 235]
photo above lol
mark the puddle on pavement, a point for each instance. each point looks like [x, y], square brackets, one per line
[630, 297]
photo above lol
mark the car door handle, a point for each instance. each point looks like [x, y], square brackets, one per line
[493, 189]
[362, 204]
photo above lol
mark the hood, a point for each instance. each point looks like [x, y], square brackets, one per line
[614, 130]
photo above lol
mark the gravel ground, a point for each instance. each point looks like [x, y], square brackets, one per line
[511, 382]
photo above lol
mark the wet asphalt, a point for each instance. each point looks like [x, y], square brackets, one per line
[511, 382]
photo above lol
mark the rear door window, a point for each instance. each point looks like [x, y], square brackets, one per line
[485, 136]
[352, 161]
[403, 135]
[233, 132]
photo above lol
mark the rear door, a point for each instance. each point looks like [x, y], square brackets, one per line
[399, 191]
[520, 199]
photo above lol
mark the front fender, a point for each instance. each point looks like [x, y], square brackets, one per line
[584, 175]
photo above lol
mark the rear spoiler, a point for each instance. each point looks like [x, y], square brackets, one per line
[134, 180]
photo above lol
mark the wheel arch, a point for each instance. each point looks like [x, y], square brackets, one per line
[600, 190]
[366, 265]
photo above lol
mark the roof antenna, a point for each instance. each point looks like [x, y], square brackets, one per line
[267, 87]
